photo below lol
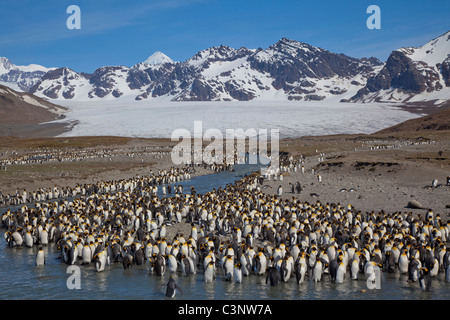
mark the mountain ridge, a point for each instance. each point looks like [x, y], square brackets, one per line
[286, 70]
[411, 74]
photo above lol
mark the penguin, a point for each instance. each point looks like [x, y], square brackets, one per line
[403, 262]
[86, 257]
[40, 257]
[127, 261]
[139, 257]
[172, 263]
[162, 230]
[273, 275]
[340, 273]
[100, 261]
[43, 237]
[260, 264]
[300, 270]
[432, 265]
[354, 269]
[160, 265]
[246, 265]
[318, 268]
[228, 267]
[413, 269]
[298, 188]
[194, 232]
[237, 272]
[334, 264]
[15, 239]
[425, 279]
[148, 250]
[210, 272]
[434, 183]
[186, 265]
[28, 239]
[389, 262]
[285, 270]
[73, 254]
[115, 252]
[172, 287]
[280, 191]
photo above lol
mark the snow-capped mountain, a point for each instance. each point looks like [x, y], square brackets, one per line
[20, 78]
[287, 70]
[157, 59]
[412, 74]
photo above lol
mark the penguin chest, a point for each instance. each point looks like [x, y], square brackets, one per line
[403, 264]
[210, 273]
[237, 275]
[86, 256]
[28, 240]
[340, 274]
[228, 268]
[317, 272]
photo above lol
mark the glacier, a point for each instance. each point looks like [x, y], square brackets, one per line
[159, 117]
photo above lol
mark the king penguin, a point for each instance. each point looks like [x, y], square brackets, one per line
[100, 261]
[403, 262]
[172, 287]
[340, 273]
[237, 272]
[210, 271]
[319, 266]
[424, 279]
[354, 269]
[413, 269]
[228, 267]
[40, 257]
[273, 276]
[280, 191]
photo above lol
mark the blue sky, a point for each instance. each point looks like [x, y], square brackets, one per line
[120, 32]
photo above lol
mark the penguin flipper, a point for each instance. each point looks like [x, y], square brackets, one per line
[179, 289]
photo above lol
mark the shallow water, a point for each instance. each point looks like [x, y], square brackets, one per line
[21, 279]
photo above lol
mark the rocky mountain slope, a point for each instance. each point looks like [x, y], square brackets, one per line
[412, 74]
[25, 108]
[438, 120]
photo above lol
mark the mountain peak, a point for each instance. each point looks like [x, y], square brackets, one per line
[158, 58]
[5, 65]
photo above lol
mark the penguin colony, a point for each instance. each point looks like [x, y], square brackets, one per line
[49, 194]
[43, 155]
[235, 232]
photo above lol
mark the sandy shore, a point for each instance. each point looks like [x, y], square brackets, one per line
[373, 180]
